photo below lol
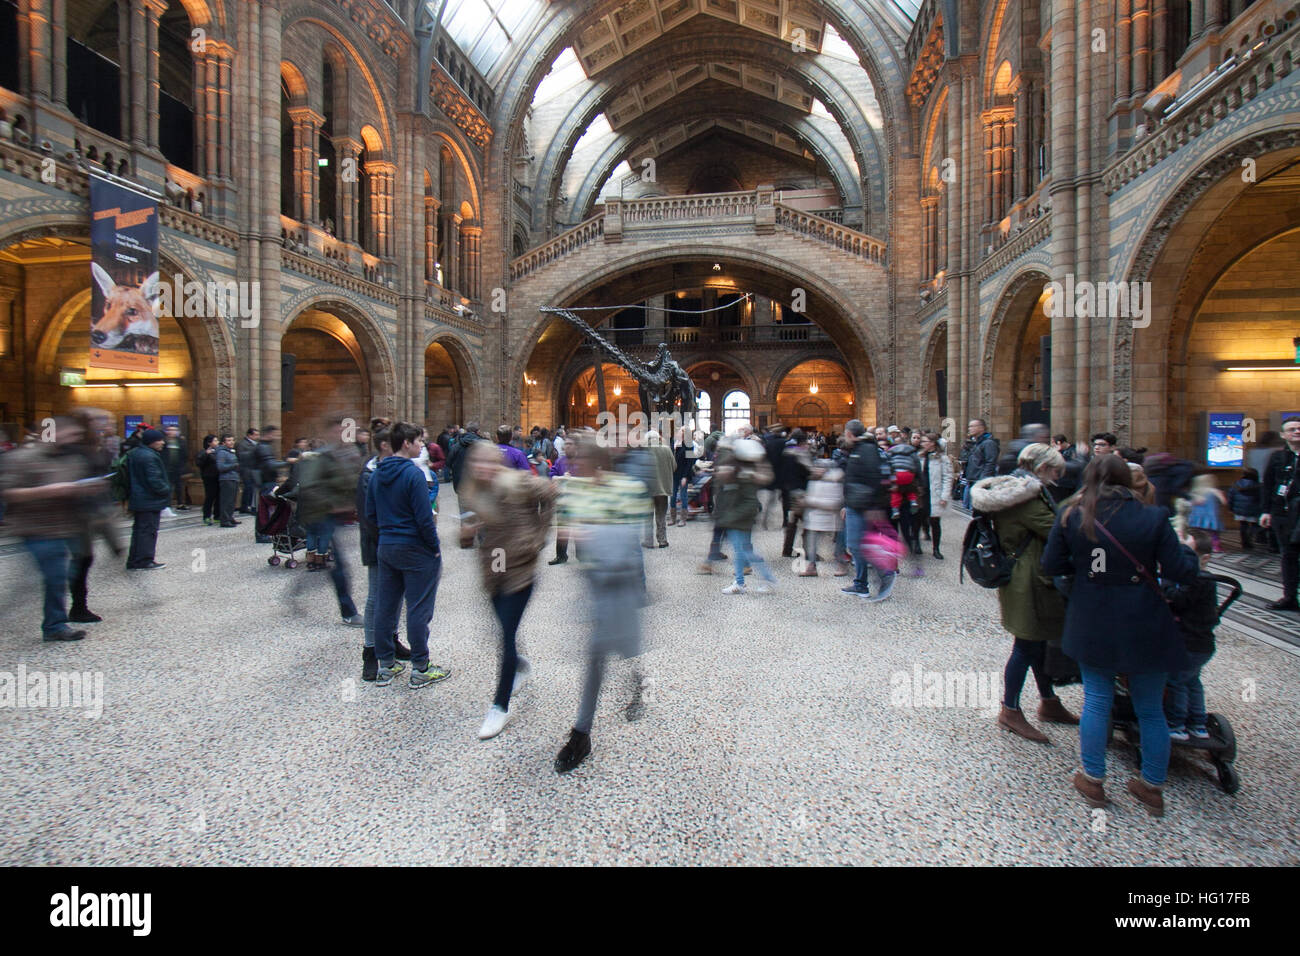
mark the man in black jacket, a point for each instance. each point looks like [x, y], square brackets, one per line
[265, 465]
[245, 451]
[865, 473]
[456, 457]
[1280, 498]
[983, 459]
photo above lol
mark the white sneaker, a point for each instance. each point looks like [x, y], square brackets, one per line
[763, 589]
[493, 723]
[734, 588]
[168, 513]
[523, 671]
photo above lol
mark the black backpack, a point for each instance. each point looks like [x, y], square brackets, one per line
[982, 556]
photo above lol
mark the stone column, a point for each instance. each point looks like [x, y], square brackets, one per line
[471, 237]
[153, 11]
[431, 205]
[952, 219]
[306, 152]
[348, 198]
[451, 237]
[35, 53]
[1061, 111]
[382, 174]
[59, 51]
[1141, 83]
[1160, 64]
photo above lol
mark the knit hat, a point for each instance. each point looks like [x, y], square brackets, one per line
[746, 449]
[152, 435]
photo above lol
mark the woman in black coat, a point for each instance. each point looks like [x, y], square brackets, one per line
[1116, 621]
[206, 461]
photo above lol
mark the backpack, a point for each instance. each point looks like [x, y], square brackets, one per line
[119, 482]
[982, 556]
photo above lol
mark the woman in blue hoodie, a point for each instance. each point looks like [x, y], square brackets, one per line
[410, 558]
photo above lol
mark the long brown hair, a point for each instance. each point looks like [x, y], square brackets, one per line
[1104, 477]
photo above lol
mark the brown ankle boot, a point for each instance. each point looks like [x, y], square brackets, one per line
[1092, 789]
[1152, 798]
[1014, 721]
[1053, 711]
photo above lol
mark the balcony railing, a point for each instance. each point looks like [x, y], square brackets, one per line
[769, 334]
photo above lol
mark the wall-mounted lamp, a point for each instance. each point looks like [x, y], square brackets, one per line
[529, 381]
[618, 390]
[813, 389]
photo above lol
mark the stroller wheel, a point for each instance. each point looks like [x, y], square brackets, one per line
[1228, 778]
[291, 564]
[273, 560]
[1220, 729]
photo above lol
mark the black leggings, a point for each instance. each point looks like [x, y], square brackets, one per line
[80, 573]
[211, 497]
[510, 611]
[1026, 656]
[936, 532]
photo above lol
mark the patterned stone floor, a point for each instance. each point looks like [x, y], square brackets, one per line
[235, 729]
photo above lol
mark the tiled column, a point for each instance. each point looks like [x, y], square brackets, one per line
[346, 191]
[471, 238]
[153, 11]
[381, 175]
[35, 48]
[430, 237]
[451, 237]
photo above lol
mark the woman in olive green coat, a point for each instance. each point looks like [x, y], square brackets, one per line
[1032, 609]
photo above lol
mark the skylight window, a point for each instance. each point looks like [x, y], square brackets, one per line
[485, 29]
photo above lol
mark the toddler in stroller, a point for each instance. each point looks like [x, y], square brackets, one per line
[277, 519]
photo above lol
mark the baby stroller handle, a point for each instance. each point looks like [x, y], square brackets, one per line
[1236, 592]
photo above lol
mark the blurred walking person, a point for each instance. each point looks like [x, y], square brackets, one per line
[512, 513]
[326, 495]
[96, 512]
[740, 480]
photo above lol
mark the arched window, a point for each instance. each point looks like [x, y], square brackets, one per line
[176, 87]
[94, 74]
[704, 413]
[735, 411]
[288, 174]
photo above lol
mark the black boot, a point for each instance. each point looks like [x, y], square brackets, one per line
[574, 752]
[403, 652]
[936, 534]
[369, 664]
[80, 614]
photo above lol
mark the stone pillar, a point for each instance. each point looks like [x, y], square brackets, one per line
[471, 237]
[451, 236]
[35, 48]
[953, 218]
[381, 175]
[1123, 51]
[212, 107]
[306, 152]
[348, 199]
[1061, 111]
[1160, 58]
[930, 246]
[1141, 83]
[153, 11]
[59, 52]
[431, 205]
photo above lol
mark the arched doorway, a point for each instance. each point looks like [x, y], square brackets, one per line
[583, 399]
[324, 376]
[816, 395]
[1016, 386]
[451, 396]
[735, 411]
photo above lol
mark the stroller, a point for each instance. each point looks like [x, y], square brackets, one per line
[1220, 746]
[698, 492]
[277, 519]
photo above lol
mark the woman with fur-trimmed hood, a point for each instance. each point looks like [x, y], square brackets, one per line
[1032, 609]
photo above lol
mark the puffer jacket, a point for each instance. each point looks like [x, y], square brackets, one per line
[1023, 515]
[737, 506]
[515, 514]
[902, 457]
[940, 478]
[823, 501]
[151, 489]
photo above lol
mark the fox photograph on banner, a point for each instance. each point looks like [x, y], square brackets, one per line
[124, 287]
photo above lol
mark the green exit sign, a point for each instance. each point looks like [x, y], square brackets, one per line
[72, 377]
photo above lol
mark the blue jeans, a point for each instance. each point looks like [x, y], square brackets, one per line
[683, 500]
[854, 526]
[372, 593]
[509, 609]
[323, 533]
[1185, 697]
[51, 556]
[1147, 691]
[406, 571]
[743, 553]
[144, 538]
[250, 482]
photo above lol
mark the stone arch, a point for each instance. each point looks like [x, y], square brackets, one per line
[294, 82]
[467, 169]
[793, 362]
[467, 370]
[1000, 358]
[932, 353]
[734, 363]
[379, 366]
[1210, 186]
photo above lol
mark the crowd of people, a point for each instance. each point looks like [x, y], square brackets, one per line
[860, 501]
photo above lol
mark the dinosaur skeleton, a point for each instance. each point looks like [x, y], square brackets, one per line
[663, 384]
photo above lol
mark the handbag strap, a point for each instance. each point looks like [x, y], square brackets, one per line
[1141, 568]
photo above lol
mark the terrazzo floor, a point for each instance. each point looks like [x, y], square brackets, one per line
[236, 730]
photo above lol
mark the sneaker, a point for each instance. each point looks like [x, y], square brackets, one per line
[1200, 733]
[886, 589]
[763, 589]
[207, 522]
[356, 620]
[523, 671]
[734, 589]
[384, 675]
[574, 752]
[369, 664]
[151, 566]
[854, 589]
[67, 634]
[555, 561]
[168, 513]
[894, 514]
[493, 723]
[1178, 733]
[83, 615]
[431, 674]
[915, 506]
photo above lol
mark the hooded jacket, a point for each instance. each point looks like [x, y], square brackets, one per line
[515, 511]
[1023, 515]
[456, 457]
[369, 530]
[397, 503]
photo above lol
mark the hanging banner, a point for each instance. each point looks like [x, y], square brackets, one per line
[124, 285]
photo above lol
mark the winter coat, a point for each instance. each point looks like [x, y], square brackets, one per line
[151, 490]
[865, 470]
[664, 468]
[176, 457]
[737, 507]
[903, 457]
[326, 483]
[514, 515]
[264, 466]
[397, 502]
[1243, 498]
[774, 447]
[1197, 607]
[823, 501]
[796, 465]
[207, 464]
[246, 452]
[1023, 515]
[1114, 619]
[456, 457]
[369, 530]
[40, 464]
[1281, 470]
[983, 459]
[940, 478]
[683, 463]
[227, 464]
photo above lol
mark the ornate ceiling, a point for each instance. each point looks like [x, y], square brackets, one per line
[647, 94]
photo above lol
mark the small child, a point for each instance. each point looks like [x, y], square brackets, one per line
[1243, 499]
[1204, 512]
[906, 466]
[822, 504]
[1197, 607]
